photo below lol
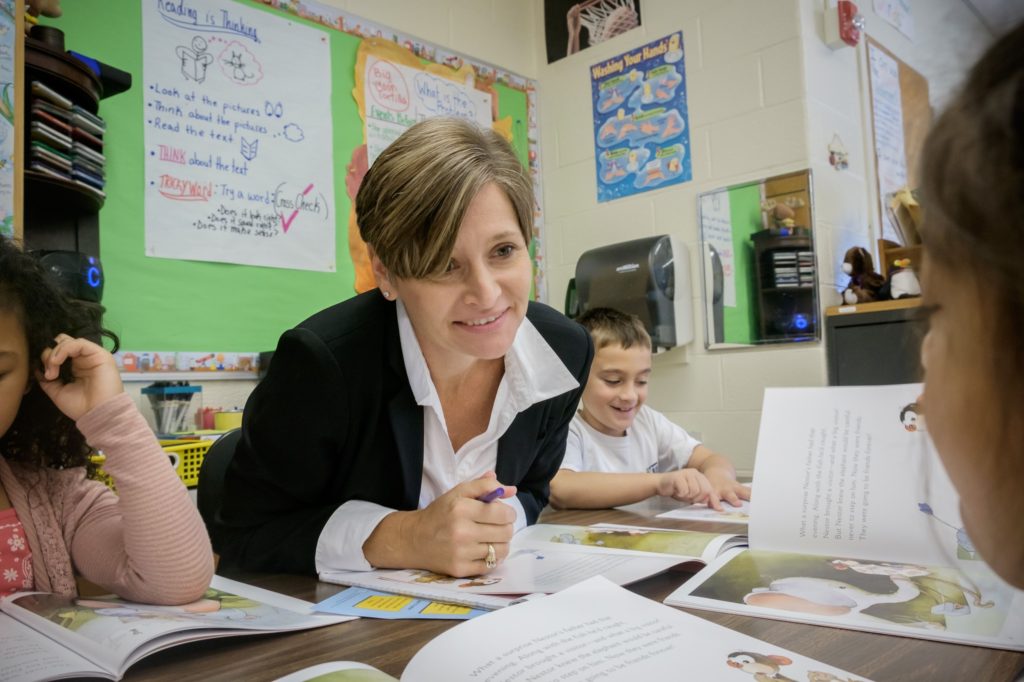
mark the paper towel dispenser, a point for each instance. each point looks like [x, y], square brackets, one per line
[649, 278]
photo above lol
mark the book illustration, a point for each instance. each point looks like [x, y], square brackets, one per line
[768, 667]
[912, 417]
[964, 546]
[366, 603]
[689, 544]
[854, 593]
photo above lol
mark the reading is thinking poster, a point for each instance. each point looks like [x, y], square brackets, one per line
[641, 131]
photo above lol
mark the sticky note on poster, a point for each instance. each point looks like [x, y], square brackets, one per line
[641, 124]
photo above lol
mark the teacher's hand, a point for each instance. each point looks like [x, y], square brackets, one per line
[94, 375]
[451, 535]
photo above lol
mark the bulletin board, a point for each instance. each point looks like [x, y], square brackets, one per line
[901, 115]
[188, 305]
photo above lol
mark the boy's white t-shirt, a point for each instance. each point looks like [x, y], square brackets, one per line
[653, 444]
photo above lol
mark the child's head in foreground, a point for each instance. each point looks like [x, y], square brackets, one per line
[617, 386]
[973, 200]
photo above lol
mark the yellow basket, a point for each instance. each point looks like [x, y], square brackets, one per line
[186, 457]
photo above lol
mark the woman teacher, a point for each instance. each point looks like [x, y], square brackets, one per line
[385, 421]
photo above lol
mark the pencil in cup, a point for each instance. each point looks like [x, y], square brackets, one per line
[172, 404]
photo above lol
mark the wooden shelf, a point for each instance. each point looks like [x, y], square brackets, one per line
[889, 251]
[874, 306]
[42, 189]
[68, 76]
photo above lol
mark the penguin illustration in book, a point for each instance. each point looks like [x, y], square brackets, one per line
[763, 667]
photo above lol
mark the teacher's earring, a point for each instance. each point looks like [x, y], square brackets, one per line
[387, 294]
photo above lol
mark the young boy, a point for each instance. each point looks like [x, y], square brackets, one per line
[619, 450]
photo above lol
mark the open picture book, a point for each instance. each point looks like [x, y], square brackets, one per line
[548, 558]
[855, 524]
[50, 637]
[594, 630]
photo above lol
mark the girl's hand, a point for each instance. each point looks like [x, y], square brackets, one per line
[95, 376]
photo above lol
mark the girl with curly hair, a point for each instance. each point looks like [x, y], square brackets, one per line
[60, 394]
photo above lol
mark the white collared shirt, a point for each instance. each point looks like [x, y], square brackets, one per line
[533, 373]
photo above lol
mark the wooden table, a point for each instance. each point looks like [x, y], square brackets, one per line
[388, 645]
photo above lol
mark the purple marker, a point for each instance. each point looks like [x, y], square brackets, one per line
[492, 496]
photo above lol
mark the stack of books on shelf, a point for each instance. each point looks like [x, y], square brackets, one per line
[66, 141]
[784, 268]
[805, 261]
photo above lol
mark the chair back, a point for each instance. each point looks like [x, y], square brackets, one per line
[215, 464]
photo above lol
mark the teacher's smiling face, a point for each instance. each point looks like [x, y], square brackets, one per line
[473, 310]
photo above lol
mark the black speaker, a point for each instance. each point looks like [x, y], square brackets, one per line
[77, 274]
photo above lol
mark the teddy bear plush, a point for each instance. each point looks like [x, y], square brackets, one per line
[865, 283]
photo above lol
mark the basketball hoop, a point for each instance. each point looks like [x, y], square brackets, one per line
[606, 19]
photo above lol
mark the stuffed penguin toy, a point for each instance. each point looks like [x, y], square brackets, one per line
[902, 282]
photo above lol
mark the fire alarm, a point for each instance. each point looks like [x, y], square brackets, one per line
[843, 25]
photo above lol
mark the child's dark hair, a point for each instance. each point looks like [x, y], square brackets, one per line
[41, 435]
[608, 326]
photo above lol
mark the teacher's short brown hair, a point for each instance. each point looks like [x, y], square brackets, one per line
[412, 201]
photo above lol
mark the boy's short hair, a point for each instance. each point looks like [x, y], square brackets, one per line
[608, 326]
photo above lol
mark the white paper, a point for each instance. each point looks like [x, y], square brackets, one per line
[595, 631]
[897, 13]
[234, 97]
[702, 512]
[716, 229]
[315, 672]
[890, 149]
[845, 477]
[28, 655]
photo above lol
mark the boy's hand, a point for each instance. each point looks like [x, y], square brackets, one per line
[727, 487]
[688, 485]
[95, 375]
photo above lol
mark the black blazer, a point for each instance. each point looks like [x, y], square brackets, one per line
[335, 420]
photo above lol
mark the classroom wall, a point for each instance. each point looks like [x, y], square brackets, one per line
[746, 98]
[765, 97]
[948, 39]
[498, 31]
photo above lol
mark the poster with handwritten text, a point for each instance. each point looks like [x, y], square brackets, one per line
[398, 96]
[238, 137]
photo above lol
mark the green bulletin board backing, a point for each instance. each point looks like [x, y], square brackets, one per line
[177, 305]
[740, 322]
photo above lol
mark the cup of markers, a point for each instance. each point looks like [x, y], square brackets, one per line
[173, 404]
